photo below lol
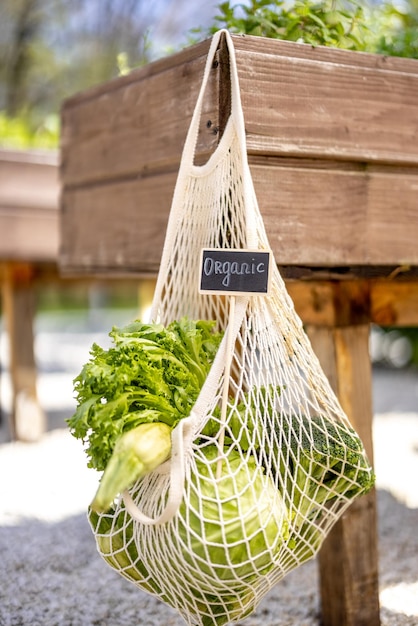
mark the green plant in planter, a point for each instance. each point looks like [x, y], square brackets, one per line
[396, 28]
[326, 23]
[384, 28]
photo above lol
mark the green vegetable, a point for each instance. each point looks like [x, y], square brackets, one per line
[231, 532]
[114, 532]
[209, 555]
[233, 527]
[318, 462]
[136, 453]
[326, 461]
[243, 502]
[315, 459]
[151, 373]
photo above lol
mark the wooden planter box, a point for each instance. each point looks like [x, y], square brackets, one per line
[332, 140]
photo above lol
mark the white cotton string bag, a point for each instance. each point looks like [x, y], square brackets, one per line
[240, 502]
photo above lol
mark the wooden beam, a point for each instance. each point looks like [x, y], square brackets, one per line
[384, 302]
[28, 420]
[348, 559]
[314, 216]
[394, 303]
[331, 303]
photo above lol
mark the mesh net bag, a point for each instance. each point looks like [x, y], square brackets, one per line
[267, 461]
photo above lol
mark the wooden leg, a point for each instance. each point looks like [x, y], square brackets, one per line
[348, 560]
[27, 419]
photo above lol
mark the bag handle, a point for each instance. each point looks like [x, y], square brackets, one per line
[181, 436]
[236, 108]
[187, 167]
[237, 118]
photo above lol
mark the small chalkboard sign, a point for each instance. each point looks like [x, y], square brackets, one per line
[235, 272]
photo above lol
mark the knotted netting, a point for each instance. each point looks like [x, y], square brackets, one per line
[267, 461]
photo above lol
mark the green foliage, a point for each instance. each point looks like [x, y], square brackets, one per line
[21, 132]
[397, 30]
[315, 23]
[351, 25]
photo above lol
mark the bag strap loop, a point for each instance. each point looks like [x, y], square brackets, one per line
[236, 108]
[180, 436]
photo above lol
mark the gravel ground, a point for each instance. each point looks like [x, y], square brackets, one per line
[51, 574]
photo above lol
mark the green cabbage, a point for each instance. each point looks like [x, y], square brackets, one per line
[239, 520]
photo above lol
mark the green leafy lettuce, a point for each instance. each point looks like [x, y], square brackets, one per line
[151, 373]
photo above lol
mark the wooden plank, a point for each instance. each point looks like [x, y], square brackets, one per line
[29, 179]
[315, 214]
[277, 47]
[138, 126]
[348, 560]
[322, 213]
[123, 230]
[28, 420]
[28, 234]
[392, 215]
[306, 112]
[326, 303]
[312, 215]
[138, 122]
[382, 302]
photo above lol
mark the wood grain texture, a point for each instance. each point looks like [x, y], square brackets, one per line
[395, 304]
[294, 99]
[119, 228]
[138, 126]
[338, 303]
[323, 214]
[324, 108]
[314, 214]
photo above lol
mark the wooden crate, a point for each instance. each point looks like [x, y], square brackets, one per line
[332, 140]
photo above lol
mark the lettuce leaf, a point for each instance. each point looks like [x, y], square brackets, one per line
[150, 373]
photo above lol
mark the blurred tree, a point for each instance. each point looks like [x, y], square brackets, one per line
[17, 56]
[50, 49]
